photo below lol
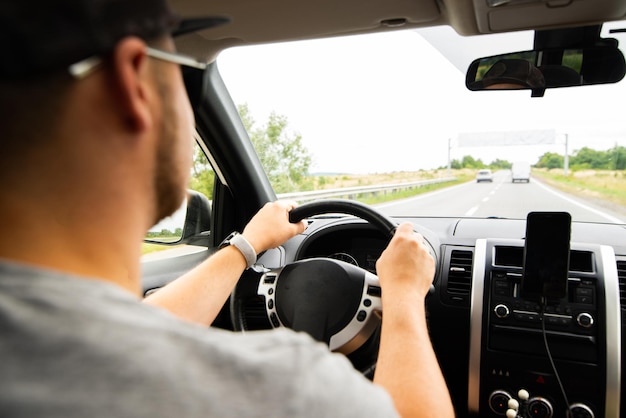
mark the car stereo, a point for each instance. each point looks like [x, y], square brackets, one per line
[543, 349]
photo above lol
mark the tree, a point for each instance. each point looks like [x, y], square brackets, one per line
[590, 158]
[550, 160]
[202, 174]
[469, 162]
[617, 158]
[500, 164]
[455, 164]
[283, 155]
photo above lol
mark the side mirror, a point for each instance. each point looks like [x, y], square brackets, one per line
[191, 224]
[538, 70]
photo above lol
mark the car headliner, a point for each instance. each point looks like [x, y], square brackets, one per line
[254, 22]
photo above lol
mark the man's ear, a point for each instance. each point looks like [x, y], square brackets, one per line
[130, 67]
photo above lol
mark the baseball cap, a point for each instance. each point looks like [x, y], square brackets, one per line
[514, 71]
[43, 36]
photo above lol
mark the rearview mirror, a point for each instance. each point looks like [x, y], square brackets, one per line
[538, 70]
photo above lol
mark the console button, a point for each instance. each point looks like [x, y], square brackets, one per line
[585, 320]
[499, 401]
[274, 319]
[361, 315]
[538, 378]
[584, 295]
[558, 320]
[502, 288]
[580, 410]
[526, 316]
[539, 408]
[501, 311]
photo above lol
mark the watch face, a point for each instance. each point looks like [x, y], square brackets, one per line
[226, 241]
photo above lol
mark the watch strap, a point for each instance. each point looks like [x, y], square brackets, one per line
[245, 248]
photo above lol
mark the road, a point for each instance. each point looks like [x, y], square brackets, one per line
[501, 198]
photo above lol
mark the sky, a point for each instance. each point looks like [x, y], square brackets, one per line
[396, 101]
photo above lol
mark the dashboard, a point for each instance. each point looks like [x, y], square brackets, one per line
[489, 338]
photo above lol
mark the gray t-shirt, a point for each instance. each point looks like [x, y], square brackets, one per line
[79, 347]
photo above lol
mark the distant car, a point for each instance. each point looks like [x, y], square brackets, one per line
[484, 175]
[520, 171]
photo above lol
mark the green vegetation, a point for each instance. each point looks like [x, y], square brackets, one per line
[573, 58]
[469, 162]
[550, 160]
[283, 155]
[582, 159]
[165, 235]
[202, 174]
[587, 158]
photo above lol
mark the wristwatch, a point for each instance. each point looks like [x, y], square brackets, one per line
[245, 248]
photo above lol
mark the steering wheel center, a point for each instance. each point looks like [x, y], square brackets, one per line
[331, 300]
[320, 299]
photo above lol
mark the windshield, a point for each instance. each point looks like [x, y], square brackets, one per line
[388, 117]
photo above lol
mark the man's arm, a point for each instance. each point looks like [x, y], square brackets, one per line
[407, 366]
[199, 295]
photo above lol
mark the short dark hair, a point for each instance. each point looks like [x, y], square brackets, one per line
[30, 111]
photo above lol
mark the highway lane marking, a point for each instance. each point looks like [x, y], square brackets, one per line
[581, 205]
[471, 211]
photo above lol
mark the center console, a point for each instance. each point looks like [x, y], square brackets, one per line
[544, 356]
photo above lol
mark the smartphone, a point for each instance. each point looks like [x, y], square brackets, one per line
[546, 255]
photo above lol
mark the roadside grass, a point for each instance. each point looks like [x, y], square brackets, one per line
[147, 247]
[607, 185]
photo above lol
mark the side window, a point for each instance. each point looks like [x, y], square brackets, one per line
[166, 234]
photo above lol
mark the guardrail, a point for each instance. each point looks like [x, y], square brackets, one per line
[353, 192]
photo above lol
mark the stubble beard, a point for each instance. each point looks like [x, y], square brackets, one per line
[169, 177]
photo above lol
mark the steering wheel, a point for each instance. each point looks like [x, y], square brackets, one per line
[335, 302]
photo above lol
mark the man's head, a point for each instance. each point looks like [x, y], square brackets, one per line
[42, 36]
[513, 74]
[54, 49]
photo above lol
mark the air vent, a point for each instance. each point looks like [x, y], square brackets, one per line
[621, 275]
[460, 272]
[254, 315]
